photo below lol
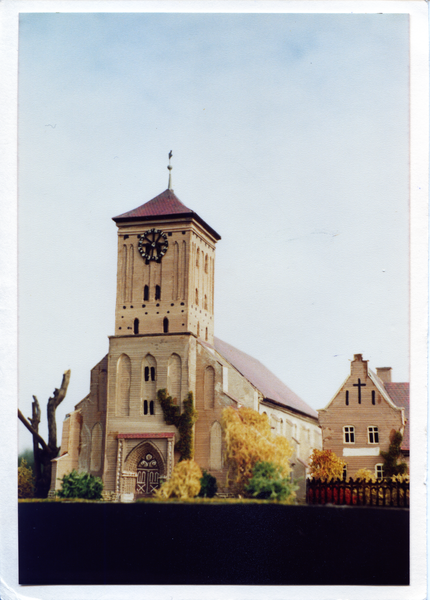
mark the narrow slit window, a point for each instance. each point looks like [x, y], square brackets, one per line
[152, 373]
[197, 297]
[145, 407]
[373, 397]
[136, 326]
[347, 398]
[157, 292]
[146, 292]
[206, 334]
[165, 325]
[146, 373]
[151, 407]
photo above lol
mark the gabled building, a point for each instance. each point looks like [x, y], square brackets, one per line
[359, 420]
[164, 338]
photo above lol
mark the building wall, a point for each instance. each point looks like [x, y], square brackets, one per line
[338, 414]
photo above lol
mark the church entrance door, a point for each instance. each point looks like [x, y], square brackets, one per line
[148, 475]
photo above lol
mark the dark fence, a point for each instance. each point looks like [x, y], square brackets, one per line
[358, 493]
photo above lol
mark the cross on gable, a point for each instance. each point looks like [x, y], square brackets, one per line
[359, 385]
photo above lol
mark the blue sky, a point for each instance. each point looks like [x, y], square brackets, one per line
[290, 138]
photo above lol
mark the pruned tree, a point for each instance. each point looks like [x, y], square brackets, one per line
[45, 452]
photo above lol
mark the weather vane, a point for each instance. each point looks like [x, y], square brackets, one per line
[170, 170]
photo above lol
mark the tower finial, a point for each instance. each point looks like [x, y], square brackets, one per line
[170, 170]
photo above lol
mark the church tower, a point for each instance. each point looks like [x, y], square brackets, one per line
[166, 262]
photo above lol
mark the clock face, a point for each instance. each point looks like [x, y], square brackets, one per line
[153, 245]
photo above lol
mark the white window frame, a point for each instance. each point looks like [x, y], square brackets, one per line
[373, 434]
[348, 431]
[379, 471]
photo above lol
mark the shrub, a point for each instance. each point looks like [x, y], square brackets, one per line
[184, 483]
[28, 456]
[208, 485]
[365, 475]
[249, 440]
[81, 485]
[25, 480]
[267, 483]
[325, 465]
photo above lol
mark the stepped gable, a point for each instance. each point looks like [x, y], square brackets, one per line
[163, 206]
[399, 394]
[256, 373]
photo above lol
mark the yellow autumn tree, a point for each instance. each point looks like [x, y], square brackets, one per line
[248, 441]
[325, 465]
[184, 482]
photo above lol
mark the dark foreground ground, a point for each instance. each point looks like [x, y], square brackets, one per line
[216, 544]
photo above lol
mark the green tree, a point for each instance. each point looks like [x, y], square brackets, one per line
[81, 485]
[391, 466]
[268, 483]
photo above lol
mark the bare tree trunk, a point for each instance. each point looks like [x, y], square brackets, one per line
[43, 455]
[35, 424]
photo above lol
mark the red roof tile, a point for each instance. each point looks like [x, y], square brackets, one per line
[399, 394]
[256, 373]
[165, 205]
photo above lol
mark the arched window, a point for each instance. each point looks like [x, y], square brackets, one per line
[197, 297]
[123, 381]
[215, 456]
[165, 325]
[96, 447]
[209, 387]
[136, 326]
[148, 389]
[206, 263]
[174, 377]
[124, 273]
[146, 292]
[198, 257]
[157, 292]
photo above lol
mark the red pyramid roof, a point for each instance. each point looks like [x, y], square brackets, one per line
[163, 206]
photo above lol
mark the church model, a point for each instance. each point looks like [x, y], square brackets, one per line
[164, 339]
